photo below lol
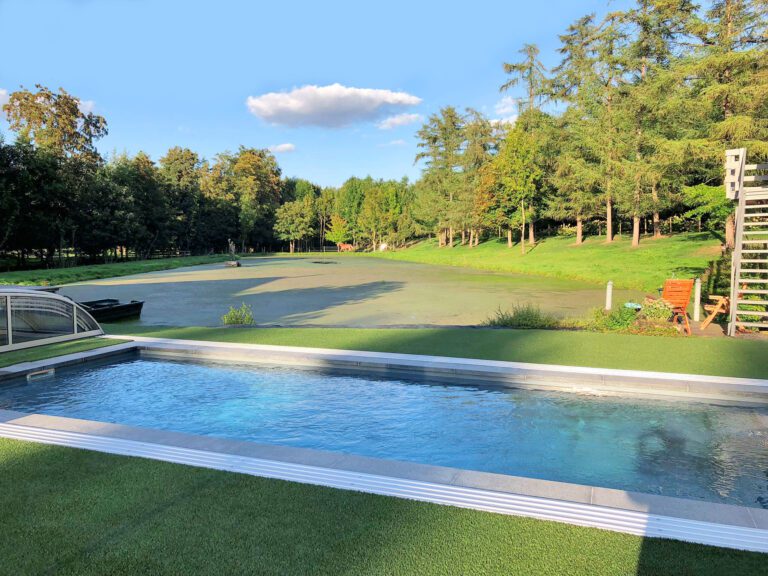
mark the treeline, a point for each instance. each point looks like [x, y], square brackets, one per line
[647, 102]
[629, 129]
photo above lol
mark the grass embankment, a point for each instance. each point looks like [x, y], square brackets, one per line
[52, 350]
[643, 268]
[713, 356]
[54, 276]
[107, 514]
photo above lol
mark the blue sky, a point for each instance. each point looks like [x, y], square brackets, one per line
[342, 86]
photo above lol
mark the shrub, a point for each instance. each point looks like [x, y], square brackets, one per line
[620, 319]
[242, 316]
[522, 316]
[655, 310]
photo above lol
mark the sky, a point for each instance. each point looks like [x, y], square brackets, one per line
[335, 89]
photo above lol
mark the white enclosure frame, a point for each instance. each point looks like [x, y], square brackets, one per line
[7, 294]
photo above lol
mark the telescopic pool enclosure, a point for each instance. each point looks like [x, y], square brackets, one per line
[33, 318]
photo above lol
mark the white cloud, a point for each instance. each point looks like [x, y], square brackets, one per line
[507, 106]
[509, 120]
[330, 106]
[3, 96]
[86, 106]
[397, 142]
[279, 148]
[399, 120]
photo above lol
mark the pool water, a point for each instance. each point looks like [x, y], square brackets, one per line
[673, 448]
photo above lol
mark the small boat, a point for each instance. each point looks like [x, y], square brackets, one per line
[110, 309]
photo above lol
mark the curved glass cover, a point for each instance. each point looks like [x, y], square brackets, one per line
[3, 320]
[84, 321]
[34, 318]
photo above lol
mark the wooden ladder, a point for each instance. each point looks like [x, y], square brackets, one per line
[749, 266]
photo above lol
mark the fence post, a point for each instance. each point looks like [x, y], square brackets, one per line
[697, 300]
[609, 295]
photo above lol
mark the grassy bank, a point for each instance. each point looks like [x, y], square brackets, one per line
[715, 356]
[643, 268]
[69, 511]
[52, 350]
[55, 276]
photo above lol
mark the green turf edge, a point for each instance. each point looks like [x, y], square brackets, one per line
[53, 350]
[707, 356]
[55, 276]
[70, 511]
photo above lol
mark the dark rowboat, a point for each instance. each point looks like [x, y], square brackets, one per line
[110, 309]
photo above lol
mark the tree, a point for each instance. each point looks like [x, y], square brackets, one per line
[441, 140]
[256, 180]
[180, 172]
[294, 221]
[531, 72]
[55, 122]
[338, 232]
[517, 174]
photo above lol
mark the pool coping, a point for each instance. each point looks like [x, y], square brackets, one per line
[635, 513]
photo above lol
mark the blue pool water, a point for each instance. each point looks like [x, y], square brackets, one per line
[682, 449]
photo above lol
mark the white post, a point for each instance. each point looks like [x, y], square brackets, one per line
[697, 301]
[609, 295]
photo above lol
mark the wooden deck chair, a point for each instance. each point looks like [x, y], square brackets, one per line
[677, 294]
[720, 305]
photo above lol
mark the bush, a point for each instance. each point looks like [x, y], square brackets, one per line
[617, 320]
[242, 316]
[522, 316]
[655, 310]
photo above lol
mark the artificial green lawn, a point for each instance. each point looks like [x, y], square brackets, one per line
[643, 268]
[51, 350]
[56, 276]
[715, 356]
[69, 511]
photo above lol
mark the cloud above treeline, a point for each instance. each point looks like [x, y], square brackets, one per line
[282, 148]
[332, 106]
[86, 106]
[3, 96]
[507, 109]
[398, 120]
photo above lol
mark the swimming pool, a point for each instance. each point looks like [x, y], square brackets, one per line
[700, 451]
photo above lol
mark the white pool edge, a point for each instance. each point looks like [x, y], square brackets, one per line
[579, 514]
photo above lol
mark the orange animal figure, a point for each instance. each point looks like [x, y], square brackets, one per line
[677, 293]
[346, 247]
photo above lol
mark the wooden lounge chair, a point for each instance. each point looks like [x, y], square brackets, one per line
[720, 305]
[677, 294]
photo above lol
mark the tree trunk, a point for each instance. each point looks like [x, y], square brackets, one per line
[635, 231]
[579, 231]
[463, 236]
[730, 232]
[608, 219]
[531, 234]
[471, 238]
[477, 236]
[522, 229]
[290, 246]
[656, 218]
[450, 237]
[509, 237]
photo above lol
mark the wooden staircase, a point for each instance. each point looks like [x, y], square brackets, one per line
[749, 266]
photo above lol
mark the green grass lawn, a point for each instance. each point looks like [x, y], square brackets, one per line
[643, 268]
[52, 350]
[715, 356]
[55, 276]
[69, 511]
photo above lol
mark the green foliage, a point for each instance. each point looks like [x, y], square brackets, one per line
[242, 316]
[338, 233]
[525, 316]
